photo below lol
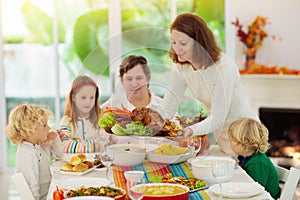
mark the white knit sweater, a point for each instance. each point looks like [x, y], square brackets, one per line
[219, 88]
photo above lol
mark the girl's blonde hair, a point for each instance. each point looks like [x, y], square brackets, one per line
[251, 134]
[70, 110]
[23, 119]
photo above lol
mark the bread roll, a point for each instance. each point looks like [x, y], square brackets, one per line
[89, 163]
[75, 160]
[82, 157]
[67, 167]
[80, 167]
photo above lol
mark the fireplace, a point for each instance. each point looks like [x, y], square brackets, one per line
[276, 100]
[284, 131]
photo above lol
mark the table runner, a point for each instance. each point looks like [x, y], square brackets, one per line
[157, 169]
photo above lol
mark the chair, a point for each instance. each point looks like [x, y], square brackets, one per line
[22, 186]
[290, 179]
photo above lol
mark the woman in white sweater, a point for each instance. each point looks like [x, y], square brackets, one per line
[211, 75]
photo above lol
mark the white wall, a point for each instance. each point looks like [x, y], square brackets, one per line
[272, 91]
[284, 16]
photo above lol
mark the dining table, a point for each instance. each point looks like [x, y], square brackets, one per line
[151, 169]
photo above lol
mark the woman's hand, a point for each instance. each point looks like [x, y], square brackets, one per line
[187, 132]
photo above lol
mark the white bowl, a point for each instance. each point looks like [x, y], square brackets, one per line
[127, 154]
[201, 167]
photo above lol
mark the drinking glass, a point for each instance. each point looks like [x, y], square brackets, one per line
[107, 160]
[135, 184]
[194, 143]
[220, 172]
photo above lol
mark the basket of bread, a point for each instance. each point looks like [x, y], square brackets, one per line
[77, 165]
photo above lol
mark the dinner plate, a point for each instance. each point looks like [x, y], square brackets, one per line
[75, 183]
[71, 173]
[237, 190]
[168, 159]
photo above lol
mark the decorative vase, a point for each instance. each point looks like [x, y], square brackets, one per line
[250, 57]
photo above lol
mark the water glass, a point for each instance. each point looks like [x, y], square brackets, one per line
[135, 184]
[220, 172]
[107, 160]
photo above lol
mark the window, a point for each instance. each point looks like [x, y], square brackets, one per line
[30, 57]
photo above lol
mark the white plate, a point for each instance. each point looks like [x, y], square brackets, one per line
[238, 190]
[71, 173]
[168, 159]
[75, 183]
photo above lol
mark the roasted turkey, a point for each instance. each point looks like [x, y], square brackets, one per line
[151, 118]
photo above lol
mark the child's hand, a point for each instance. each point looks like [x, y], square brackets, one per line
[60, 134]
[50, 139]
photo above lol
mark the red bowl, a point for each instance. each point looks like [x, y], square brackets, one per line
[183, 195]
[122, 197]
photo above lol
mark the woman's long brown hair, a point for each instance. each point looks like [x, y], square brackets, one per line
[193, 26]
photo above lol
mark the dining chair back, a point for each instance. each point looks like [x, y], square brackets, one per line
[290, 179]
[22, 186]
